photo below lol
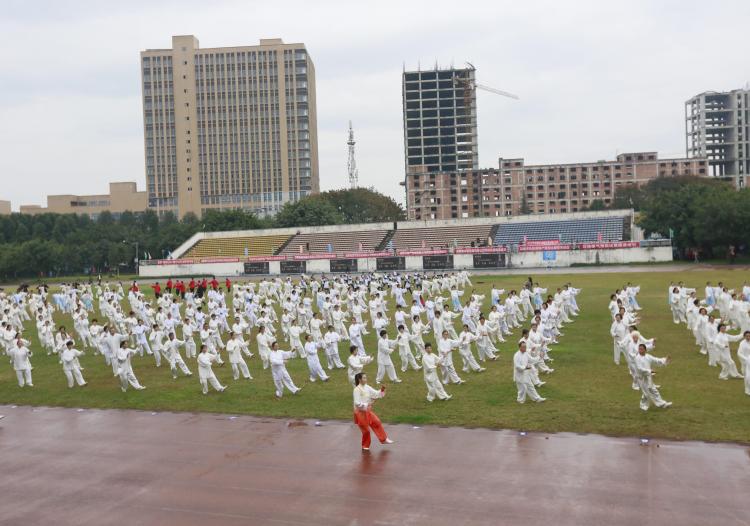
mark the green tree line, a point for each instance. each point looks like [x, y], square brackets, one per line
[65, 244]
[701, 214]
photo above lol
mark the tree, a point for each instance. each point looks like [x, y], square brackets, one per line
[596, 204]
[310, 211]
[525, 209]
[628, 196]
[225, 220]
[363, 205]
[700, 213]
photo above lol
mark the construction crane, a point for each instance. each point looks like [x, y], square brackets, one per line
[470, 85]
[351, 164]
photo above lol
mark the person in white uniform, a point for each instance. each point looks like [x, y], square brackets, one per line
[205, 372]
[124, 367]
[356, 362]
[19, 357]
[236, 346]
[522, 376]
[385, 364]
[281, 378]
[71, 366]
[743, 353]
[644, 363]
[430, 363]
[313, 361]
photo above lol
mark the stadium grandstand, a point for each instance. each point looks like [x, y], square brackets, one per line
[579, 227]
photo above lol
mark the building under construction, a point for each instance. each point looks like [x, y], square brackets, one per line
[717, 127]
[440, 120]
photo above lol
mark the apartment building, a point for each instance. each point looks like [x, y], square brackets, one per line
[515, 187]
[232, 127]
[717, 127]
[122, 197]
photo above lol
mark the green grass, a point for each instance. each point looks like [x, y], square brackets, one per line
[587, 392]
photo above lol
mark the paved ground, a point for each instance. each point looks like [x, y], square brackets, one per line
[69, 467]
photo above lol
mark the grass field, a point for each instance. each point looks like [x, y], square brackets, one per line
[586, 393]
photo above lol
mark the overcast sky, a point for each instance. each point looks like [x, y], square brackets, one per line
[594, 77]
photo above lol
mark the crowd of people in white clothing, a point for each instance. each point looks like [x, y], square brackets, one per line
[182, 329]
[712, 321]
[630, 345]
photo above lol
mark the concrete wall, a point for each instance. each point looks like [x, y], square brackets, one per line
[562, 258]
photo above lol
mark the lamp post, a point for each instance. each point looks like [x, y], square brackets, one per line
[135, 244]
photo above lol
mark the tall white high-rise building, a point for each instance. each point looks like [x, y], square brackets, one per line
[232, 127]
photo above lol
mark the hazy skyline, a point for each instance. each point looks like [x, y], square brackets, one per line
[594, 78]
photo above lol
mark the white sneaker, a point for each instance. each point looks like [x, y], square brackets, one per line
[389, 441]
[540, 400]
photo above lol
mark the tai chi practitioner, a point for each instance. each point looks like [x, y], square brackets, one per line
[522, 376]
[141, 340]
[124, 367]
[188, 328]
[310, 353]
[445, 348]
[19, 357]
[264, 345]
[485, 349]
[430, 363]
[364, 397]
[71, 366]
[331, 340]
[743, 353]
[356, 362]
[724, 354]
[281, 378]
[236, 346]
[205, 372]
[649, 392]
[385, 364]
[618, 330]
[172, 354]
[404, 350]
[418, 329]
[157, 339]
[464, 349]
[112, 343]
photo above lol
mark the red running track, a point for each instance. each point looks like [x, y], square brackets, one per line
[91, 467]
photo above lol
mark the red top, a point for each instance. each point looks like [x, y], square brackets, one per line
[134, 288]
[156, 287]
[169, 283]
[192, 284]
[214, 284]
[229, 284]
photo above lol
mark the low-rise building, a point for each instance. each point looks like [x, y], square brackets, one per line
[122, 197]
[515, 187]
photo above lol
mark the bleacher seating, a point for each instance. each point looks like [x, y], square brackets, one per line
[338, 241]
[587, 230]
[440, 237]
[235, 246]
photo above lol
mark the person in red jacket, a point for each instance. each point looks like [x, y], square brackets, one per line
[229, 285]
[169, 286]
[214, 283]
[191, 285]
[157, 289]
[134, 286]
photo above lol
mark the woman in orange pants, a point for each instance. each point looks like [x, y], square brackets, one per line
[364, 396]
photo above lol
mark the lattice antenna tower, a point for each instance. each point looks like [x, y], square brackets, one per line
[351, 164]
